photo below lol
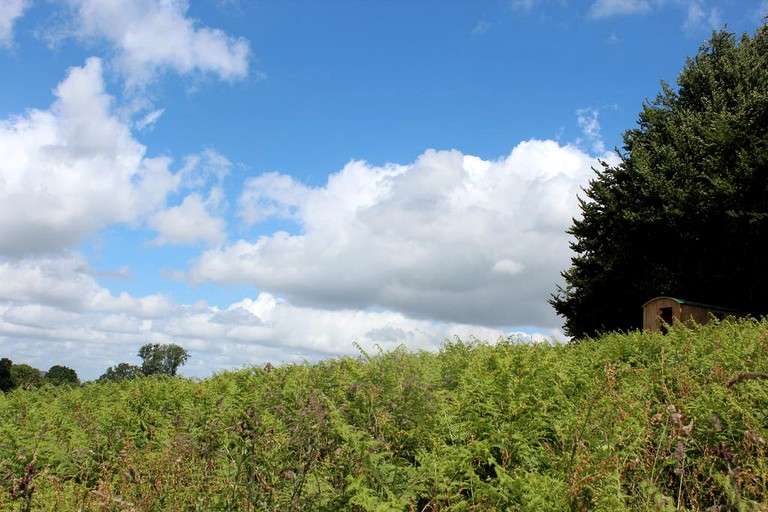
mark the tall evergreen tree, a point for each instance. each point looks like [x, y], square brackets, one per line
[685, 212]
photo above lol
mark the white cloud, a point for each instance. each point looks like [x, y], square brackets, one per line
[699, 16]
[588, 120]
[525, 5]
[52, 311]
[204, 169]
[759, 13]
[149, 119]
[507, 266]
[73, 169]
[10, 11]
[152, 36]
[450, 237]
[607, 8]
[190, 222]
[271, 195]
[481, 28]
[67, 283]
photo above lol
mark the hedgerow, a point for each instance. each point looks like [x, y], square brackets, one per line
[629, 421]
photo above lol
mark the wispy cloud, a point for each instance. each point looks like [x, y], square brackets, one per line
[588, 120]
[699, 16]
[608, 8]
[149, 119]
[481, 28]
[10, 11]
[525, 5]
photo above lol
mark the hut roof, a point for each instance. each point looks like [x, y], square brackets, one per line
[695, 304]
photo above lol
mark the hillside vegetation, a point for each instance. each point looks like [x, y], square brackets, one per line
[635, 421]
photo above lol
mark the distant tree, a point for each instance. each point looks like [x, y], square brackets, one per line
[58, 375]
[162, 359]
[6, 381]
[685, 211]
[122, 371]
[26, 377]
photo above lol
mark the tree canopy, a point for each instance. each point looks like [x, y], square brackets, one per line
[120, 371]
[6, 381]
[157, 359]
[162, 359]
[26, 377]
[58, 375]
[685, 211]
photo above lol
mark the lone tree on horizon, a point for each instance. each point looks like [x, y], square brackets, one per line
[685, 212]
[162, 359]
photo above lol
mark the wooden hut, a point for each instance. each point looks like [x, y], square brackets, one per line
[663, 311]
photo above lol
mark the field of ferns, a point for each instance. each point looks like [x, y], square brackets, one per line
[631, 421]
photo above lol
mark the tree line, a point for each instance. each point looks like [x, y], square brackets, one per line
[157, 359]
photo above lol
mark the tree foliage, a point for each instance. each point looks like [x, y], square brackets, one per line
[685, 212]
[26, 377]
[122, 371]
[162, 359]
[58, 375]
[6, 381]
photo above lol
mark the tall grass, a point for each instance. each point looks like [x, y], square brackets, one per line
[635, 421]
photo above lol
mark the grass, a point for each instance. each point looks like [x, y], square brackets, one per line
[634, 421]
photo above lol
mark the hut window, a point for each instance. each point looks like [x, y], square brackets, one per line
[665, 315]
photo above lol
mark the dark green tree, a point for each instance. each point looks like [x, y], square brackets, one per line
[122, 371]
[59, 375]
[26, 377]
[6, 381]
[162, 359]
[685, 212]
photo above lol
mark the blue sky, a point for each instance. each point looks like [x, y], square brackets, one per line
[275, 180]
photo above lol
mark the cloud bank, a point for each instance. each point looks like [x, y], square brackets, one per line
[450, 237]
[53, 311]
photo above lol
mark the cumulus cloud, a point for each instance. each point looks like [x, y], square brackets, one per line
[152, 36]
[10, 11]
[450, 237]
[73, 169]
[191, 222]
[53, 311]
